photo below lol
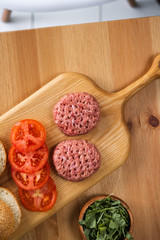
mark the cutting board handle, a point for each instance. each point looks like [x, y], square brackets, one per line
[152, 74]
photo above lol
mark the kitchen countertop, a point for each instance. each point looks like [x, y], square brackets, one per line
[113, 54]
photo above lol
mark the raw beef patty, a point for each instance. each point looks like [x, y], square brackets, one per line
[76, 113]
[76, 160]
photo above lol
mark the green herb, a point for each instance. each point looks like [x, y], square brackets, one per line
[106, 219]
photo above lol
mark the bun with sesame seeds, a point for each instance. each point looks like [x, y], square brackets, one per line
[2, 158]
[10, 213]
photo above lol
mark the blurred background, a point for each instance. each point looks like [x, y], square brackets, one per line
[107, 10]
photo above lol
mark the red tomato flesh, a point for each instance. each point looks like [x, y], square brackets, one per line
[31, 181]
[28, 135]
[41, 199]
[28, 162]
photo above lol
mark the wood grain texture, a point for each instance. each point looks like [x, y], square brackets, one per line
[110, 137]
[113, 54]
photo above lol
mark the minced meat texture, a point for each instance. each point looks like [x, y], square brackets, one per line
[76, 113]
[76, 160]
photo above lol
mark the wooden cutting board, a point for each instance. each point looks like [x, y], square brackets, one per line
[111, 136]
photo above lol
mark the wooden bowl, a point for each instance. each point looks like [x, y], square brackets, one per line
[92, 200]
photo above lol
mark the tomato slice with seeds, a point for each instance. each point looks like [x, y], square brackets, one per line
[28, 135]
[41, 199]
[31, 181]
[28, 162]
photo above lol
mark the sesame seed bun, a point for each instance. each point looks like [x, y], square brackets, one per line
[7, 220]
[8, 198]
[2, 158]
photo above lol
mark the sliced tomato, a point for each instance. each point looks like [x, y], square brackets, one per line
[28, 162]
[28, 135]
[31, 181]
[41, 199]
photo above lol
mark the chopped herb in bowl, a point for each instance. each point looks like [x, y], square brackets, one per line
[105, 218]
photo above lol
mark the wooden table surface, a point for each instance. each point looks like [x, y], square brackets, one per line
[113, 54]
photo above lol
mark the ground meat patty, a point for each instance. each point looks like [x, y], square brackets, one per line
[76, 160]
[76, 113]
